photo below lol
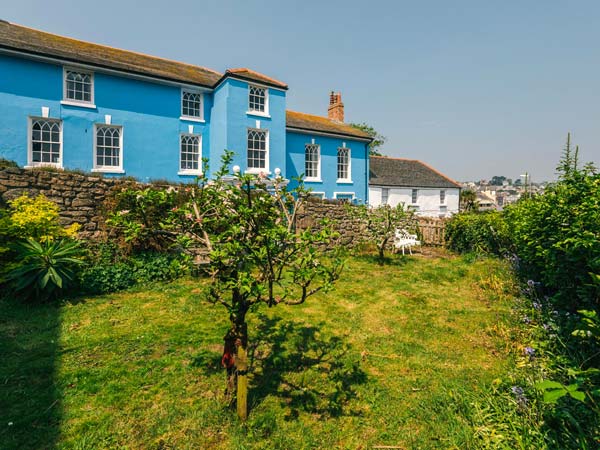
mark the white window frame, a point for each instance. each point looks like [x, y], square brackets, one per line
[255, 170]
[73, 102]
[442, 196]
[192, 118]
[317, 194]
[414, 196]
[255, 112]
[318, 177]
[108, 169]
[349, 171]
[198, 171]
[30, 163]
[335, 194]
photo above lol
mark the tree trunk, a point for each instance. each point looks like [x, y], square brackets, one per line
[235, 358]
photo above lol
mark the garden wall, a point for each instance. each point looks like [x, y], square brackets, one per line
[80, 197]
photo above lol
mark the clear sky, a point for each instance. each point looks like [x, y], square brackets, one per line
[474, 88]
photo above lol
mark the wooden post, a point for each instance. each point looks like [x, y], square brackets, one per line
[241, 363]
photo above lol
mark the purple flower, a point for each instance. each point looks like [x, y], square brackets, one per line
[537, 305]
[530, 283]
[517, 390]
[529, 351]
[526, 320]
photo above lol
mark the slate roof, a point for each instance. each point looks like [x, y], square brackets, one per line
[40, 43]
[308, 122]
[385, 171]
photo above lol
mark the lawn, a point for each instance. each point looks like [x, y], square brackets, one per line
[391, 357]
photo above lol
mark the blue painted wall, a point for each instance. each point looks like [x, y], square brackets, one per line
[150, 116]
[231, 120]
[148, 112]
[359, 166]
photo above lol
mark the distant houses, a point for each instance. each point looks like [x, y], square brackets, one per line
[418, 186]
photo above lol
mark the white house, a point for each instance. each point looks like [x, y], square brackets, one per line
[420, 187]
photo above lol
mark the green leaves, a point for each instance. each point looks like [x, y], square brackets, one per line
[43, 268]
[553, 391]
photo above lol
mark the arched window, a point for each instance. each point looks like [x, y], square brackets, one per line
[190, 154]
[46, 145]
[191, 104]
[108, 147]
[257, 149]
[78, 86]
[343, 164]
[312, 162]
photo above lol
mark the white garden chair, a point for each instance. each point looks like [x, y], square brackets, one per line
[403, 239]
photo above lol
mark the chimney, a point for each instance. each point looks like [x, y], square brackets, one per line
[336, 107]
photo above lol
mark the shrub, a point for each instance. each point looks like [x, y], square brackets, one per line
[44, 269]
[140, 217]
[109, 270]
[35, 218]
[478, 232]
[557, 238]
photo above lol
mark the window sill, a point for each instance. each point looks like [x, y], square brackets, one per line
[258, 114]
[257, 171]
[344, 181]
[108, 170]
[192, 119]
[313, 180]
[189, 173]
[78, 104]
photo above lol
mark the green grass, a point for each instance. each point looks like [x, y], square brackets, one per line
[390, 357]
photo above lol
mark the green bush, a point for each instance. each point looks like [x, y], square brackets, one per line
[139, 217]
[43, 269]
[108, 270]
[557, 238]
[478, 232]
[35, 218]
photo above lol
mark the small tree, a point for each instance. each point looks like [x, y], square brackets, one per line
[255, 253]
[257, 256]
[381, 224]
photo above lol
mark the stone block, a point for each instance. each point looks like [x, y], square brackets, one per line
[82, 202]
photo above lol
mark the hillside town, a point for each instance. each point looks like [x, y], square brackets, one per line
[499, 191]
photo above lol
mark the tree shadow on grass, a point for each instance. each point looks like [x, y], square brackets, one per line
[306, 368]
[390, 259]
[30, 408]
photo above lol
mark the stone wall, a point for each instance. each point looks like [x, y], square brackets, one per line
[314, 211]
[80, 197]
[431, 230]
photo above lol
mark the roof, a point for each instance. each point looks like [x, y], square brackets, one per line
[39, 43]
[308, 122]
[249, 74]
[386, 171]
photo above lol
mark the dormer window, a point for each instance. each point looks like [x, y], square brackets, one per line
[78, 87]
[258, 100]
[191, 105]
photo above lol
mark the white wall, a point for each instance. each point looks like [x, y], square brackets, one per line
[428, 200]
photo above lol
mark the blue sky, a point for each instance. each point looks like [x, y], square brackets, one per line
[474, 88]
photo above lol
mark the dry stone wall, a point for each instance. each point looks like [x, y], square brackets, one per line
[349, 228]
[79, 197]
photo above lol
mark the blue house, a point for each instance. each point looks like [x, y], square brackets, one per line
[78, 105]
